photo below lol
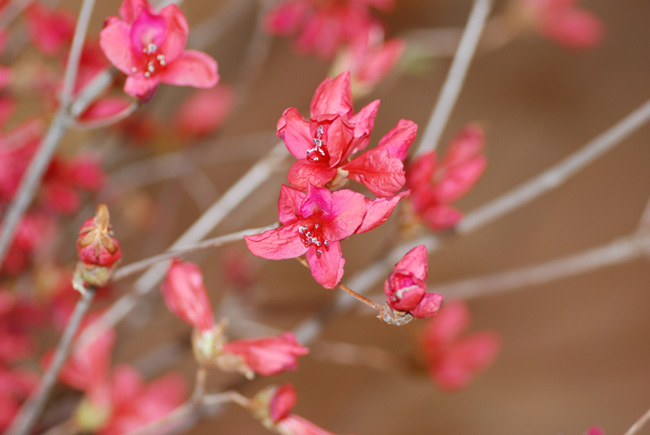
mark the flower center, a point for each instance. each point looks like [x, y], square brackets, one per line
[153, 60]
[319, 154]
[312, 235]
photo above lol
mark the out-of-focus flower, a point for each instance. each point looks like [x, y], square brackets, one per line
[17, 317]
[149, 48]
[434, 185]
[49, 30]
[561, 21]
[595, 430]
[313, 224]
[99, 252]
[324, 145]
[272, 406]
[323, 26]
[203, 112]
[369, 59]
[453, 361]
[130, 403]
[64, 178]
[34, 232]
[186, 295]
[15, 386]
[265, 356]
[16, 150]
[406, 286]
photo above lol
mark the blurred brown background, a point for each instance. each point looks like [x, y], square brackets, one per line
[576, 351]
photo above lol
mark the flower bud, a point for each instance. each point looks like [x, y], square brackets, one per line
[99, 252]
[186, 295]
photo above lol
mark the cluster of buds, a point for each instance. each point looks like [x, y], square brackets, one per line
[406, 290]
[186, 296]
[99, 252]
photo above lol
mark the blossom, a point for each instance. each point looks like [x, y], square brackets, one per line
[149, 48]
[15, 386]
[325, 144]
[313, 224]
[434, 185]
[272, 406]
[49, 30]
[595, 430]
[561, 21]
[96, 244]
[453, 360]
[406, 286]
[323, 26]
[265, 356]
[186, 295]
[369, 59]
[34, 232]
[204, 111]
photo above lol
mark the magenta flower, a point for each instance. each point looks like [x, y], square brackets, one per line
[49, 30]
[203, 112]
[322, 26]
[266, 356]
[454, 360]
[406, 286]
[186, 296]
[561, 21]
[324, 145]
[149, 48]
[96, 245]
[434, 185]
[313, 224]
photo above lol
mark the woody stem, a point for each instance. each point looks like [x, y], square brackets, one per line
[31, 409]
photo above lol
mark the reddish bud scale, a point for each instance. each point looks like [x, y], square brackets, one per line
[95, 245]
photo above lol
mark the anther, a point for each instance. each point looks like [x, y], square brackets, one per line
[134, 70]
[326, 243]
[319, 252]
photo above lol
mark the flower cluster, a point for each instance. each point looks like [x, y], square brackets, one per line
[314, 219]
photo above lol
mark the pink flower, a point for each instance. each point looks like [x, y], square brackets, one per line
[186, 295]
[561, 21]
[34, 232]
[595, 430]
[16, 150]
[323, 26]
[63, 180]
[435, 185]
[96, 245]
[49, 30]
[15, 386]
[268, 355]
[313, 224]
[203, 112]
[454, 360]
[369, 59]
[273, 407]
[149, 48]
[325, 144]
[406, 286]
[129, 403]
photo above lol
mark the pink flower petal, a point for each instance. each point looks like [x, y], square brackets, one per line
[115, 40]
[192, 68]
[333, 96]
[459, 180]
[429, 306]
[130, 9]
[305, 172]
[574, 28]
[293, 129]
[277, 244]
[177, 31]
[416, 262]
[378, 211]
[347, 213]
[398, 140]
[441, 217]
[289, 202]
[378, 171]
[147, 29]
[141, 87]
[326, 268]
[466, 144]
[338, 139]
[364, 122]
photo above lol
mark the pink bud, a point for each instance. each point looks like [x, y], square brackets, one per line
[186, 296]
[282, 402]
[269, 355]
[95, 245]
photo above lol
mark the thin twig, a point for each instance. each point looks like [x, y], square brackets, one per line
[456, 76]
[138, 266]
[43, 156]
[356, 354]
[618, 251]
[254, 178]
[31, 409]
[638, 425]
